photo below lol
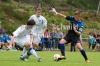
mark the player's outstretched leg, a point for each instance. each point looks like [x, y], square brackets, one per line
[82, 52]
[84, 55]
[62, 49]
[32, 51]
[24, 51]
[25, 56]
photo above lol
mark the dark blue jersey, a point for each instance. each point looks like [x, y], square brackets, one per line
[78, 25]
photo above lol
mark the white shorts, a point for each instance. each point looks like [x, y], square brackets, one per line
[21, 41]
[36, 40]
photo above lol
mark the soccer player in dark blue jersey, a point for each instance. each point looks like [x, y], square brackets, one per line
[73, 35]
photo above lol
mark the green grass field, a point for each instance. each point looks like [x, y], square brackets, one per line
[11, 58]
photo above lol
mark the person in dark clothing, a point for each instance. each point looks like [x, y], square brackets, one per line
[98, 41]
[73, 35]
[73, 48]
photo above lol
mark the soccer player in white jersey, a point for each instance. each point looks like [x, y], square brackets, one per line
[38, 29]
[40, 26]
[24, 38]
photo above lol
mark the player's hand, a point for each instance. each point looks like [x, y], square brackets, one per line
[9, 47]
[41, 35]
[54, 11]
[75, 29]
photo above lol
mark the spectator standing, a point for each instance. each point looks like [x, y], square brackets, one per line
[98, 41]
[73, 48]
[46, 35]
[94, 44]
[59, 36]
[42, 41]
[55, 37]
[91, 40]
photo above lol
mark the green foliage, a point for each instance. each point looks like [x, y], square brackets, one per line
[86, 25]
[27, 1]
[98, 27]
[48, 2]
[84, 4]
[84, 35]
[6, 9]
[22, 17]
[2, 16]
[6, 0]
[27, 9]
[94, 25]
[79, 5]
[10, 28]
[71, 13]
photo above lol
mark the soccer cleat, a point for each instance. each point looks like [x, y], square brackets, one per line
[87, 61]
[61, 58]
[23, 59]
[39, 60]
[27, 57]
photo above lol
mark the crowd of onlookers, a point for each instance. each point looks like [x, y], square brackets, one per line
[5, 39]
[50, 41]
[94, 41]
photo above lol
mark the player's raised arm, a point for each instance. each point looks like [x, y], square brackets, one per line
[59, 14]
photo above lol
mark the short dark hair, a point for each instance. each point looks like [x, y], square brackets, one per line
[38, 9]
[31, 22]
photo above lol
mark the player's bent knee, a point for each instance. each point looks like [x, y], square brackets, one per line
[62, 41]
[27, 44]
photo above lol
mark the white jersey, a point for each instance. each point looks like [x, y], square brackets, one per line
[21, 32]
[22, 35]
[41, 22]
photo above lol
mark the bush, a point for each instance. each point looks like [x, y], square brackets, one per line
[23, 17]
[2, 16]
[11, 28]
[94, 25]
[6, 0]
[84, 4]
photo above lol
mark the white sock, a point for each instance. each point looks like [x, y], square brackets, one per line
[33, 52]
[24, 51]
[24, 55]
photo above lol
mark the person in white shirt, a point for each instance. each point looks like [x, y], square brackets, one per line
[38, 29]
[40, 26]
[24, 38]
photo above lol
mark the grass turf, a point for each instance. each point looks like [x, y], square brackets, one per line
[11, 58]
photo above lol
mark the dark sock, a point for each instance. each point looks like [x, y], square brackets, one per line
[28, 54]
[62, 49]
[1, 46]
[58, 46]
[84, 54]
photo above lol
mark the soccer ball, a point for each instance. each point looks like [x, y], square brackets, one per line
[55, 57]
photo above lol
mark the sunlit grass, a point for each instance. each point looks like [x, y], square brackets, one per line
[11, 58]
